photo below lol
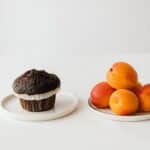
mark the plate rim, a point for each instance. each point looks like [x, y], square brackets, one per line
[111, 116]
[26, 117]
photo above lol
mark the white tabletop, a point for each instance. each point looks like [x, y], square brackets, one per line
[84, 129]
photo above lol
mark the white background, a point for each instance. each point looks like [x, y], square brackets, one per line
[84, 129]
[62, 36]
[78, 27]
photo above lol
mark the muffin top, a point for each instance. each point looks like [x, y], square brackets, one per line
[35, 82]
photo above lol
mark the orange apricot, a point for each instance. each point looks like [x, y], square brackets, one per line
[124, 102]
[122, 76]
[100, 94]
[137, 89]
[144, 97]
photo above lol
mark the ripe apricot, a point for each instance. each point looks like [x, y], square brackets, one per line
[144, 97]
[122, 76]
[137, 89]
[124, 102]
[100, 94]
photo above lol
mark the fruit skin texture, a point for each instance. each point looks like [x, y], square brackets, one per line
[137, 89]
[122, 76]
[100, 94]
[144, 97]
[124, 102]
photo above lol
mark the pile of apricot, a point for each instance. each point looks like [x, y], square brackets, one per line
[121, 92]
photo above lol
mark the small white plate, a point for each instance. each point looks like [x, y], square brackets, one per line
[107, 113]
[65, 104]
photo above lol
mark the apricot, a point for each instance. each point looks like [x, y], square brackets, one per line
[100, 94]
[123, 102]
[122, 76]
[144, 97]
[137, 89]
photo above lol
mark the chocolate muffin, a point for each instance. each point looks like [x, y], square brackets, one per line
[36, 90]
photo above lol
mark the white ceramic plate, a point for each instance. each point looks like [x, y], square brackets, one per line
[66, 103]
[107, 113]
